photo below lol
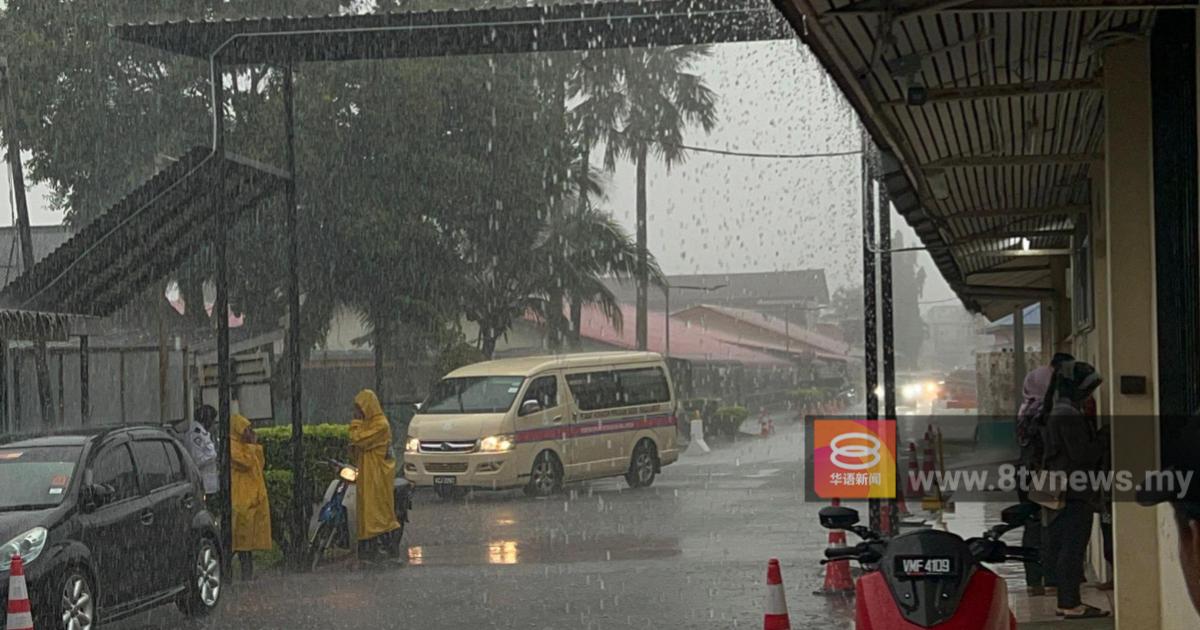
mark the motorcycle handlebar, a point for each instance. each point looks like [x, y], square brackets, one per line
[1024, 554]
[840, 553]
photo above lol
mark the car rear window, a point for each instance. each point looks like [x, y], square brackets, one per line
[35, 477]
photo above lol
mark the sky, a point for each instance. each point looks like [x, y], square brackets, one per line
[717, 213]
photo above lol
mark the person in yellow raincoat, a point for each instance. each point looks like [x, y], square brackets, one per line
[371, 447]
[251, 509]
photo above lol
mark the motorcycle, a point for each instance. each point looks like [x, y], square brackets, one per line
[333, 520]
[928, 577]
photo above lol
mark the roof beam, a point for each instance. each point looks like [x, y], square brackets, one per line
[918, 7]
[972, 161]
[1013, 269]
[1007, 90]
[1022, 253]
[989, 291]
[1016, 212]
[1007, 234]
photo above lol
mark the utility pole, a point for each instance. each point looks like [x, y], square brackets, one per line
[18, 176]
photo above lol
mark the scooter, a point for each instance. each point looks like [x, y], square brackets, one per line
[333, 521]
[928, 577]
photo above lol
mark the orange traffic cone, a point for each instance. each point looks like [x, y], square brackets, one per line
[20, 614]
[837, 572]
[776, 616]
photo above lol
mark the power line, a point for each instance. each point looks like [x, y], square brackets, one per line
[779, 156]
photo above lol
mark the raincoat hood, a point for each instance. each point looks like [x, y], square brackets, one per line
[368, 403]
[237, 426]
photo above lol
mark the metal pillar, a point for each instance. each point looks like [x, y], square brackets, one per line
[85, 405]
[5, 425]
[667, 298]
[221, 309]
[1019, 355]
[889, 337]
[870, 348]
[300, 501]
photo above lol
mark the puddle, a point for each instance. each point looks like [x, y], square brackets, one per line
[508, 552]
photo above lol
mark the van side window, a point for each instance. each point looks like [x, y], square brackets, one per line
[544, 390]
[644, 386]
[595, 390]
[619, 388]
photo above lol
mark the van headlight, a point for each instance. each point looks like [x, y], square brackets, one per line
[412, 445]
[29, 545]
[496, 444]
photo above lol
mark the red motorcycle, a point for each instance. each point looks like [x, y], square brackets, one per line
[928, 577]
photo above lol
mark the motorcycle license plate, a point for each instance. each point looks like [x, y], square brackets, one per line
[445, 480]
[922, 567]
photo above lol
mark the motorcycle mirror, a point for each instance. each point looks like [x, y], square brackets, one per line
[838, 517]
[1016, 515]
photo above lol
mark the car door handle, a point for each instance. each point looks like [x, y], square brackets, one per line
[147, 517]
[556, 419]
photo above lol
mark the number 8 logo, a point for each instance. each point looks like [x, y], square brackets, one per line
[869, 450]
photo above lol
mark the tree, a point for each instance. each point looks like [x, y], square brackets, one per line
[638, 103]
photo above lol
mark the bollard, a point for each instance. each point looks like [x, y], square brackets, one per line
[698, 445]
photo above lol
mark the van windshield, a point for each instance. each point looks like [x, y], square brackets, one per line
[473, 394]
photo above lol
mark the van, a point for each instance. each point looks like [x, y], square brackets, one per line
[539, 422]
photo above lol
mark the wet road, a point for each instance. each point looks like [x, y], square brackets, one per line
[690, 552]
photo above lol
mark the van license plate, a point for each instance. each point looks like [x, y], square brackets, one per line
[445, 480]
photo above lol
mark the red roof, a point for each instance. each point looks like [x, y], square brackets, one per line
[820, 344]
[687, 342]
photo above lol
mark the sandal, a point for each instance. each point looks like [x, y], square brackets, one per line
[1089, 612]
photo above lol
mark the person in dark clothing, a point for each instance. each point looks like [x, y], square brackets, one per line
[1073, 445]
[1037, 397]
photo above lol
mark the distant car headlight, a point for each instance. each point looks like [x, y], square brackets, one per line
[29, 545]
[912, 391]
[412, 445]
[496, 444]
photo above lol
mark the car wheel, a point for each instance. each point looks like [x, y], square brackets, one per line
[205, 581]
[643, 466]
[76, 602]
[546, 476]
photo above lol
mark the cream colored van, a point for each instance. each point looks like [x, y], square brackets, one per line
[539, 422]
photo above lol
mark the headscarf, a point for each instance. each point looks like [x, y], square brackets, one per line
[1075, 381]
[1034, 389]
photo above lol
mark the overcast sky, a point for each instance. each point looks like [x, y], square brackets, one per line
[718, 213]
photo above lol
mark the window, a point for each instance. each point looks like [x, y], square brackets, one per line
[620, 388]
[152, 464]
[595, 390]
[644, 386]
[114, 468]
[544, 390]
[175, 460]
[34, 478]
[473, 394]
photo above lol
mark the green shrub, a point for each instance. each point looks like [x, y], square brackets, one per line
[725, 421]
[279, 493]
[808, 395]
[322, 442]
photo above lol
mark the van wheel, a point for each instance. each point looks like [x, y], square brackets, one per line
[546, 476]
[643, 466]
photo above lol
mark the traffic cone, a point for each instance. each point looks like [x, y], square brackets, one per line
[776, 616]
[20, 614]
[837, 572]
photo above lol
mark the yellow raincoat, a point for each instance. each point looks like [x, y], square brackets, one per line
[251, 510]
[371, 440]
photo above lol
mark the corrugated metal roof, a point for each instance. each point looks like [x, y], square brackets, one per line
[142, 238]
[46, 238]
[1001, 148]
[794, 288]
[498, 30]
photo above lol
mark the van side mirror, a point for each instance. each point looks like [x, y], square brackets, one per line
[530, 406]
[838, 517]
[1017, 515]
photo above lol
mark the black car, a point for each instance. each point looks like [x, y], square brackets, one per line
[108, 524]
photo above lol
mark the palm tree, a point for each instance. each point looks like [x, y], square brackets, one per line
[583, 244]
[637, 103]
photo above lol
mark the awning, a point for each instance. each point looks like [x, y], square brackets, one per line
[500, 30]
[35, 326]
[989, 113]
[141, 239]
